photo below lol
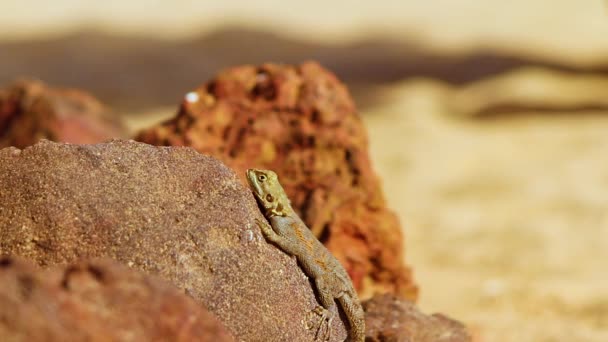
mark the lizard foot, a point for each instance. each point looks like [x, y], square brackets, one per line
[323, 324]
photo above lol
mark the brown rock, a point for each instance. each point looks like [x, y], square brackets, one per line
[388, 318]
[301, 122]
[163, 210]
[30, 111]
[97, 301]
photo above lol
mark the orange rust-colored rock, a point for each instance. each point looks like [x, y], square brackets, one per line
[30, 111]
[97, 300]
[301, 122]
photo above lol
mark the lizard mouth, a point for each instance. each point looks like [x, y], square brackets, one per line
[252, 180]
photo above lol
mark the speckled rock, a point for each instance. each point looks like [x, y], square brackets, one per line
[97, 300]
[163, 210]
[301, 122]
[30, 111]
[389, 319]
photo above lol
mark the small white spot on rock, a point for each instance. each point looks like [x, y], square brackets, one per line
[192, 97]
[248, 236]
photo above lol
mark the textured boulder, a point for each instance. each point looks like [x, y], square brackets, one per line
[97, 301]
[163, 210]
[301, 122]
[30, 111]
[389, 319]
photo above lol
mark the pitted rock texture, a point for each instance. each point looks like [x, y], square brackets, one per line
[301, 122]
[98, 300]
[389, 319]
[30, 111]
[168, 211]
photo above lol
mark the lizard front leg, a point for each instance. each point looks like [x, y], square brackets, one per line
[268, 232]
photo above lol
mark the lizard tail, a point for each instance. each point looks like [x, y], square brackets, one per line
[356, 318]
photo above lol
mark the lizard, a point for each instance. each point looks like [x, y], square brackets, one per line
[286, 230]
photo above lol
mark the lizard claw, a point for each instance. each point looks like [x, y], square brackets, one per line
[323, 326]
[312, 314]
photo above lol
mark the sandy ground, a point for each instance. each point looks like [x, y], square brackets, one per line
[506, 220]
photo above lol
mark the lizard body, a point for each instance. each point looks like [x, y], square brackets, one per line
[291, 235]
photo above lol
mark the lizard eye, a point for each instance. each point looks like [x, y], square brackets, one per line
[262, 178]
[269, 198]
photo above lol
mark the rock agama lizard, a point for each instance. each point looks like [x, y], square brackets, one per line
[287, 231]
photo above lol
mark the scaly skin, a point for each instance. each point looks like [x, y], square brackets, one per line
[290, 234]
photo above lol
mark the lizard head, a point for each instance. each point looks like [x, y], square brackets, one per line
[268, 192]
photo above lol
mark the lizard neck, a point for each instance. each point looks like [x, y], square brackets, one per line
[282, 209]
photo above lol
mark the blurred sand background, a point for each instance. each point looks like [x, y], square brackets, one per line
[488, 123]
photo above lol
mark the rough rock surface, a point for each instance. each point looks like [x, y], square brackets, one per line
[301, 122]
[389, 319]
[164, 210]
[30, 111]
[97, 301]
